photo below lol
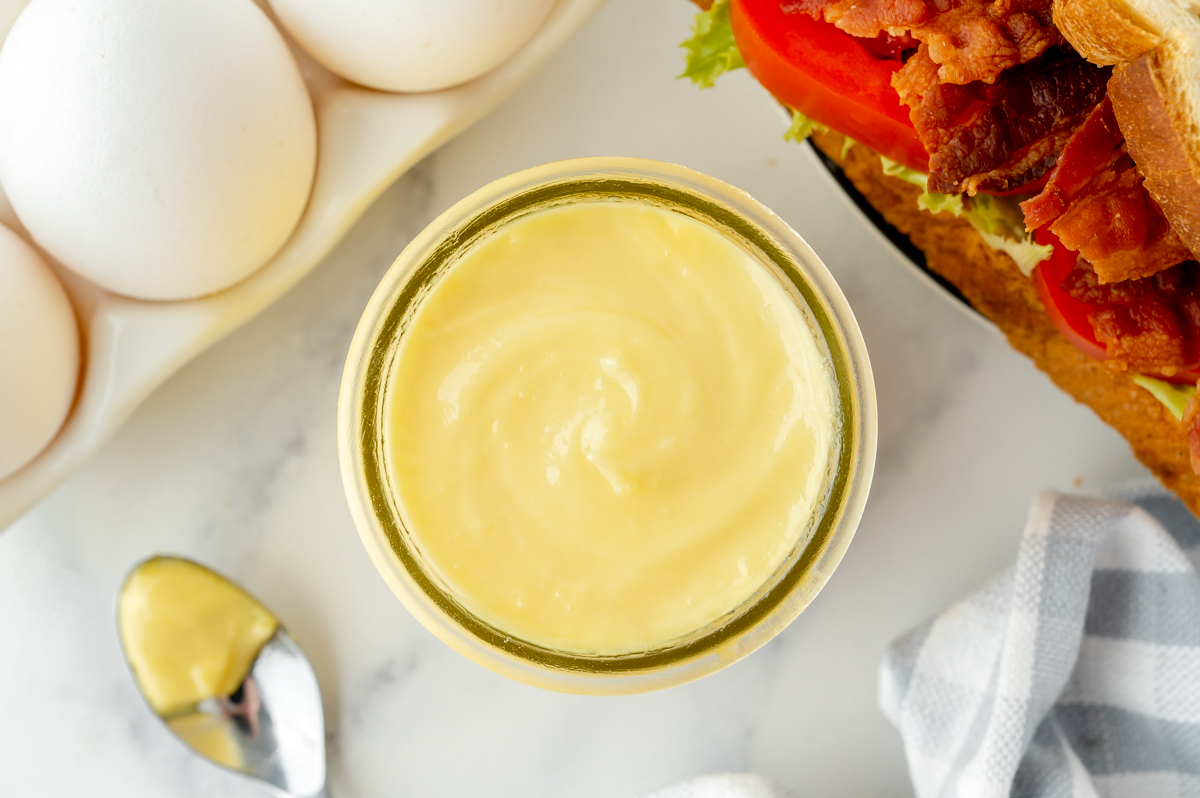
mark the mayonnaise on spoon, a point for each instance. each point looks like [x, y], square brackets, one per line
[216, 666]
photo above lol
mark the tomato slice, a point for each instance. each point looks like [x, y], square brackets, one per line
[827, 75]
[1069, 315]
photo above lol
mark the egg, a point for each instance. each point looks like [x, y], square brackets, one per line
[411, 45]
[39, 353]
[159, 148]
[9, 11]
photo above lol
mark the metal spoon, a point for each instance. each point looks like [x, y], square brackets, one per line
[272, 728]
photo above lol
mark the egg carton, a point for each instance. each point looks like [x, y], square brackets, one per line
[366, 139]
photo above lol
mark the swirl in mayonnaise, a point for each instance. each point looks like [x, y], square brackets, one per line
[608, 426]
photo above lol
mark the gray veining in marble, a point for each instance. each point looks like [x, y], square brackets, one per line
[234, 462]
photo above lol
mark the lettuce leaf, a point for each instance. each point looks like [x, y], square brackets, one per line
[711, 52]
[936, 203]
[1002, 224]
[998, 220]
[802, 127]
[928, 201]
[893, 169]
[1173, 397]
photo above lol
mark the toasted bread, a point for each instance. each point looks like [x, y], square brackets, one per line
[993, 284]
[1110, 32]
[1154, 46]
[1162, 136]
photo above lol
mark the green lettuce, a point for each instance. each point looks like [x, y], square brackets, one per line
[802, 127]
[847, 143]
[936, 203]
[998, 220]
[1002, 224]
[893, 169]
[711, 52]
[1173, 397]
[928, 201]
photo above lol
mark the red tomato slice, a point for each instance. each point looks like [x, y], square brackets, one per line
[1069, 315]
[827, 75]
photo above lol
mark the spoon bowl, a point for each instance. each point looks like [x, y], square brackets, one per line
[271, 728]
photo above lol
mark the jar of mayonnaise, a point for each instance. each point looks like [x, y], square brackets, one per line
[607, 425]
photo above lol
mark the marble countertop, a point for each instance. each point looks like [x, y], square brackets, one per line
[234, 462]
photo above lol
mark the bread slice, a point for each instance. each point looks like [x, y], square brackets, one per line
[993, 284]
[1110, 32]
[1155, 89]
[1162, 135]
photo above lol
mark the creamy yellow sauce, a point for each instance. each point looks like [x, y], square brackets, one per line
[608, 425]
[189, 634]
[211, 736]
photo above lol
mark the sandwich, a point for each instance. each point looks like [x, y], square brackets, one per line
[1044, 156]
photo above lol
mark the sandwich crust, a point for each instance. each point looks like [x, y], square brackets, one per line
[1155, 91]
[993, 284]
[1105, 32]
[1161, 136]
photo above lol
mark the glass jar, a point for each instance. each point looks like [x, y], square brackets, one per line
[373, 352]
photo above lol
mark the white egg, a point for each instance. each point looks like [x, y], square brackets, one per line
[162, 149]
[39, 353]
[9, 11]
[411, 45]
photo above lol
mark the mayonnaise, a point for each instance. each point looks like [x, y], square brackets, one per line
[608, 425]
[189, 634]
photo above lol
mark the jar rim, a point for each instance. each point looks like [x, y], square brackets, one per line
[732, 213]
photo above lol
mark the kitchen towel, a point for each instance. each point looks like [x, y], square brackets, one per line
[1076, 673]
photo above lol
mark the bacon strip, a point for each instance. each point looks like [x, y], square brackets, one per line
[1119, 228]
[1147, 325]
[1096, 204]
[1093, 147]
[1001, 136]
[969, 40]
[988, 123]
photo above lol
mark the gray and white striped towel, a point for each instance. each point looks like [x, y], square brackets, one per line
[1076, 673]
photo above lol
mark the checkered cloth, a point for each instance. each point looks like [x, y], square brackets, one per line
[1076, 673]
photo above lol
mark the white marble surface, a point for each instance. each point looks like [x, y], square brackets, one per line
[233, 462]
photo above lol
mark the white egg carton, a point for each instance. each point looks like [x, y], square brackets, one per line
[365, 140]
